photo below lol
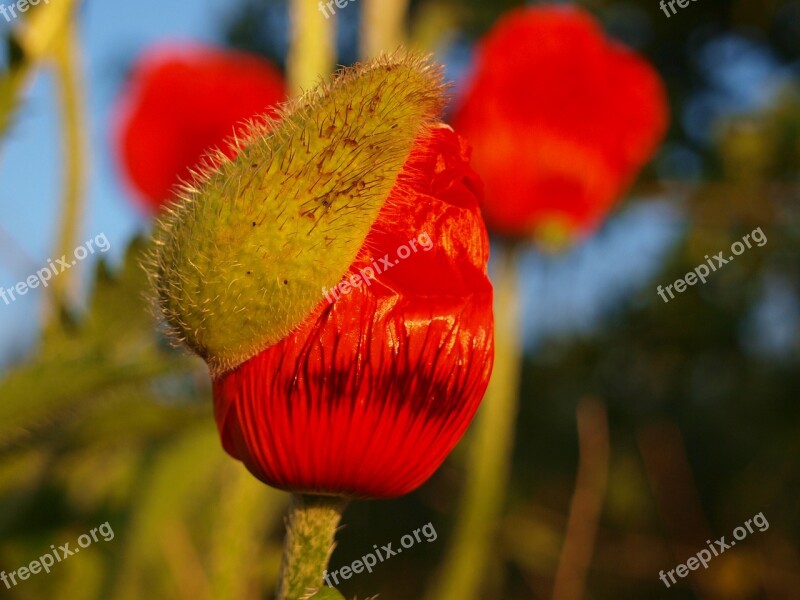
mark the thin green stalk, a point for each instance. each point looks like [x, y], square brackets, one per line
[310, 530]
[11, 87]
[33, 43]
[383, 26]
[65, 54]
[587, 501]
[463, 572]
[313, 49]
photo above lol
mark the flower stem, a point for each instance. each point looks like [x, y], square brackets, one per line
[383, 26]
[28, 47]
[69, 81]
[312, 52]
[587, 501]
[310, 530]
[463, 572]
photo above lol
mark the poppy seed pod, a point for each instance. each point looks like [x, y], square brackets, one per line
[333, 276]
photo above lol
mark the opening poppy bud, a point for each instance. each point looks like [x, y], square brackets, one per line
[333, 276]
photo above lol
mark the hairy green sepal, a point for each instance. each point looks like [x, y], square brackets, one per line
[243, 255]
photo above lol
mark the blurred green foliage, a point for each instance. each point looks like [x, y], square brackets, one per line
[107, 423]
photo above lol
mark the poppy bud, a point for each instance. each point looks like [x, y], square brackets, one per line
[333, 276]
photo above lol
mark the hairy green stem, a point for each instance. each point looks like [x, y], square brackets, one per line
[463, 573]
[310, 530]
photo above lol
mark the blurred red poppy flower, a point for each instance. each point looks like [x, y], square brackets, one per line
[370, 394]
[182, 103]
[560, 118]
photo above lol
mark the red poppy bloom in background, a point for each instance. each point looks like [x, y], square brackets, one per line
[183, 102]
[560, 117]
[370, 394]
